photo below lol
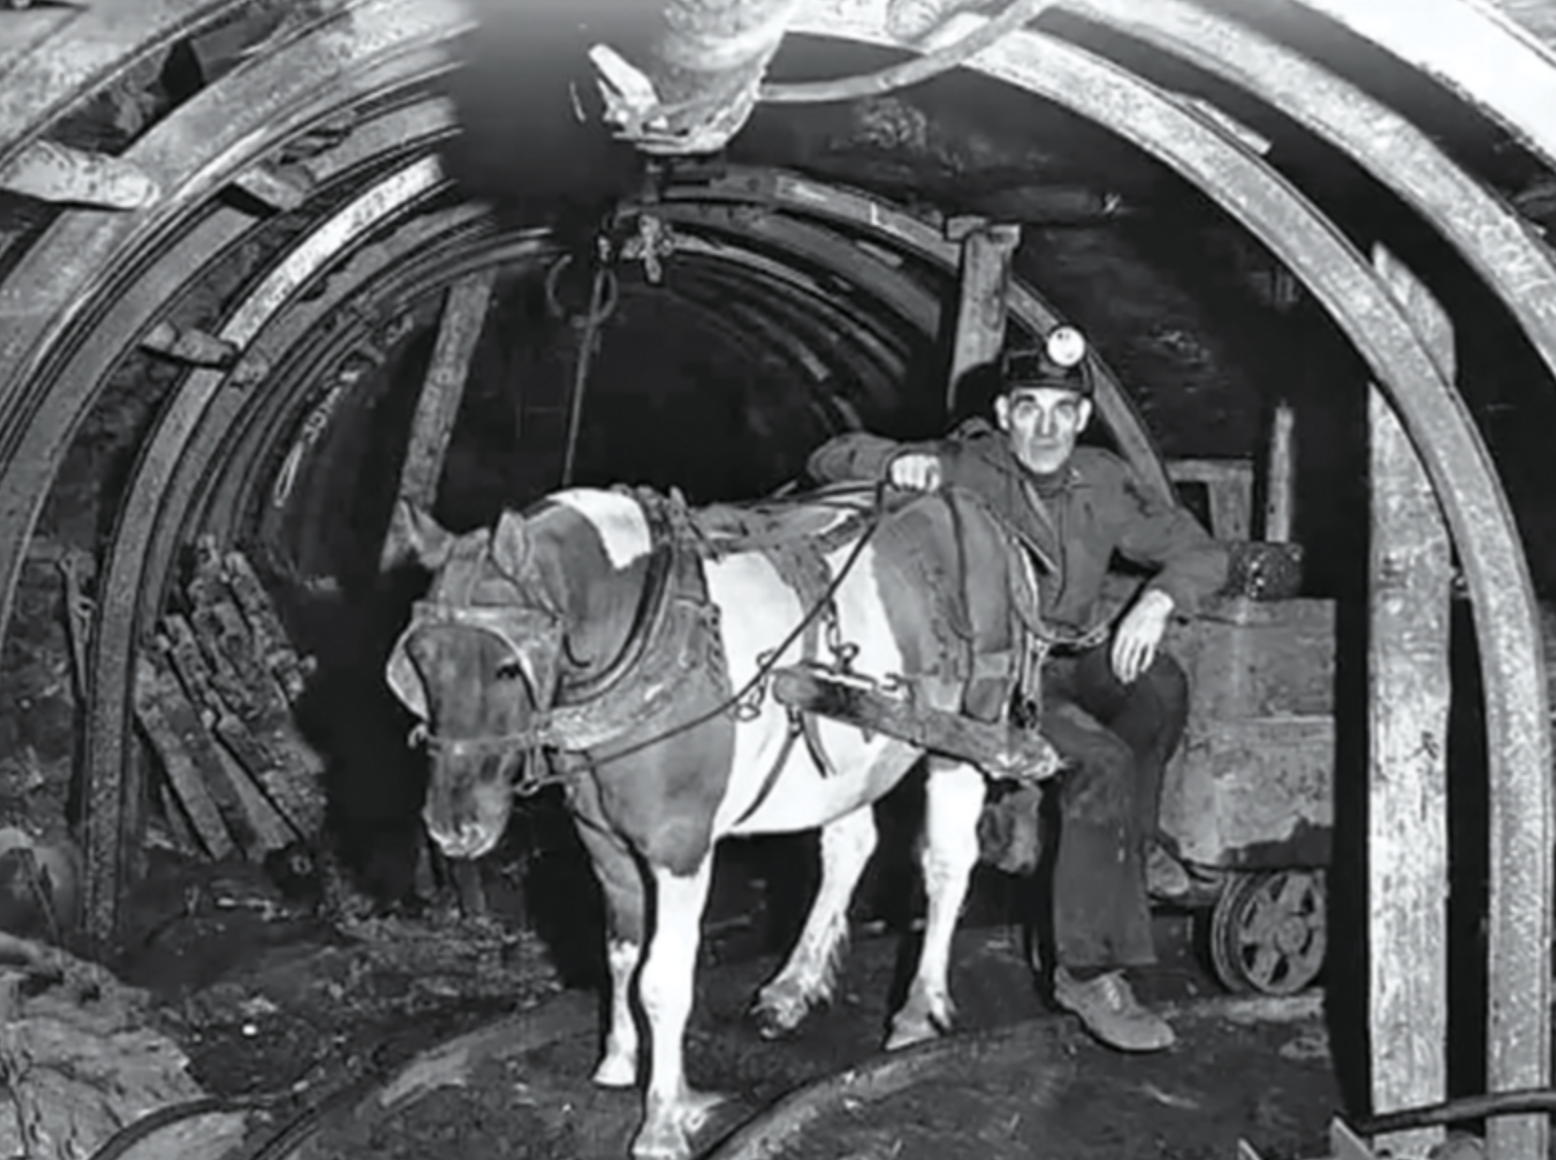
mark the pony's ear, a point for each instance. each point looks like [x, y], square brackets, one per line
[510, 544]
[415, 535]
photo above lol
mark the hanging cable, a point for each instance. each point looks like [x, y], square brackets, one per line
[588, 339]
[911, 72]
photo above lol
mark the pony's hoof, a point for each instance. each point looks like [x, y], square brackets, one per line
[667, 1143]
[776, 1019]
[615, 1071]
[907, 1035]
[669, 1136]
[905, 1032]
[702, 1107]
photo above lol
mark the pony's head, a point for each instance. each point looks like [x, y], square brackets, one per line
[478, 666]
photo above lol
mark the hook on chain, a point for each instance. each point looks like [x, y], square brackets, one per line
[601, 306]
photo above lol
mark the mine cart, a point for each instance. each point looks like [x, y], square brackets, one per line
[1246, 802]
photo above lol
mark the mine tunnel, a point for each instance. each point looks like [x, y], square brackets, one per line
[267, 268]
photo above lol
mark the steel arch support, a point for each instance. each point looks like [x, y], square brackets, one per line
[293, 350]
[86, 50]
[206, 243]
[365, 275]
[820, 248]
[925, 239]
[1443, 433]
[1470, 46]
[1493, 239]
[113, 803]
[48, 300]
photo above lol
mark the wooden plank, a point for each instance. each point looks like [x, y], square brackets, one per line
[260, 728]
[179, 737]
[270, 827]
[227, 777]
[1411, 575]
[178, 640]
[997, 749]
[464, 316]
[184, 839]
[987, 251]
[53, 172]
[1229, 483]
[281, 187]
[270, 636]
[1281, 499]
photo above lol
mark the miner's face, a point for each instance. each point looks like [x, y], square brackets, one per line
[1043, 424]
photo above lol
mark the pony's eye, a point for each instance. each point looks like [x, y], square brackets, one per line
[510, 671]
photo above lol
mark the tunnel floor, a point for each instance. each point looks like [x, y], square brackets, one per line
[1268, 1083]
[282, 1009]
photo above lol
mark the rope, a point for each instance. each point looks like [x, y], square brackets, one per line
[765, 668]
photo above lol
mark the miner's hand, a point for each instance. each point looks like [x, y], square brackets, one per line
[1138, 635]
[915, 470]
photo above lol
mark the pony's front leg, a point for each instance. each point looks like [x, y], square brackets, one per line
[622, 887]
[672, 1111]
[807, 978]
[954, 796]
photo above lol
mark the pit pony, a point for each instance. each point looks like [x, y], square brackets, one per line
[626, 646]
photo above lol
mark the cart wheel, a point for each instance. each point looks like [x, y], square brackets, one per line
[1267, 932]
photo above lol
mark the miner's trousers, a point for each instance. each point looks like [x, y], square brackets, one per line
[1117, 739]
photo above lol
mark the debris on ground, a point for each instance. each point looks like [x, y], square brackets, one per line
[80, 1056]
[302, 1005]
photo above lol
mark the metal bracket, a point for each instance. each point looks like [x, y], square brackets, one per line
[653, 242]
[76, 567]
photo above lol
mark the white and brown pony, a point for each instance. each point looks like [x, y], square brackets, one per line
[621, 644]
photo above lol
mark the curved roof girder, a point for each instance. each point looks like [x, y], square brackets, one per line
[179, 155]
[300, 346]
[1470, 46]
[1444, 435]
[904, 230]
[1498, 243]
[106, 40]
[389, 274]
[133, 552]
[86, 259]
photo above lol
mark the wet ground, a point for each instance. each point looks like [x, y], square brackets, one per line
[281, 1009]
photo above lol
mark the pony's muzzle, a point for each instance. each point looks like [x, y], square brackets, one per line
[468, 804]
[467, 839]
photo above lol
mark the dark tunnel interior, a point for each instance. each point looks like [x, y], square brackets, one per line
[717, 374]
[763, 330]
[698, 325]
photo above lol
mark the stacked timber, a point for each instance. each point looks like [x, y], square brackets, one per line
[215, 695]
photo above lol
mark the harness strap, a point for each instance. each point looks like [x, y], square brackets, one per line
[771, 780]
[801, 567]
[665, 568]
[726, 529]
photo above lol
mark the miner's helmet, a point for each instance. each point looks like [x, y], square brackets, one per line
[1059, 362]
